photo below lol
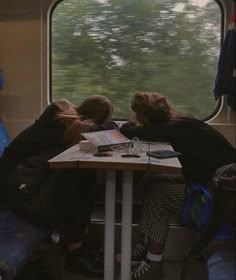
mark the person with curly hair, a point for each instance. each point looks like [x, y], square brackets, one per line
[203, 150]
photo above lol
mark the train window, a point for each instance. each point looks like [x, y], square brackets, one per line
[118, 47]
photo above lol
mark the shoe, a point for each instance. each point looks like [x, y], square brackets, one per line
[85, 262]
[39, 269]
[3, 274]
[147, 270]
[137, 255]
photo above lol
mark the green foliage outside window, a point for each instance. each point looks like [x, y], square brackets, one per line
[118, 47]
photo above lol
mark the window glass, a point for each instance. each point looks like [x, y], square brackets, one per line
[118, 47]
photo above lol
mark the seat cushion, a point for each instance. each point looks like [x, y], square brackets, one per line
[221, 265]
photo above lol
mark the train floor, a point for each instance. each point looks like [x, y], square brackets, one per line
[50, 266]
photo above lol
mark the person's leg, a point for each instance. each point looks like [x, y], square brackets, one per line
[73, 202]
[165, 198]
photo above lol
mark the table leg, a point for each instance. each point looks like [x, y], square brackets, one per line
[126, 238]
[109, 225]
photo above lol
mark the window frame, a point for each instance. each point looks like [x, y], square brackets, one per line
[220, 103]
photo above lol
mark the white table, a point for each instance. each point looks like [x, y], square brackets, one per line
[75, 158]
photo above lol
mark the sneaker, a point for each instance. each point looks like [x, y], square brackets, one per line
[137, 254]
[88, 263]
[147, 270]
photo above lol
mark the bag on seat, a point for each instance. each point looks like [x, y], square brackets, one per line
[30, 185]
[221, 224]
[197, 206]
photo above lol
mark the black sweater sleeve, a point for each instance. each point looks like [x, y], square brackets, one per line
[106, 126]
[44, 133]
[131, 130]
[203, 148]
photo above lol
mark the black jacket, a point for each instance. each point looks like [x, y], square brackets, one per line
[203, 148]
[45, 134]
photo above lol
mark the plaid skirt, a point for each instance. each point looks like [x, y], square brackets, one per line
[164, 198]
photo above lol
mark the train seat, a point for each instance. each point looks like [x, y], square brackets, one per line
[18, 241]
[221, 265]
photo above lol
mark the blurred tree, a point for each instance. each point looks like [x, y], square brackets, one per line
[118, 47]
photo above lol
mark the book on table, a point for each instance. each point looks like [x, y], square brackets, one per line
[107, 139]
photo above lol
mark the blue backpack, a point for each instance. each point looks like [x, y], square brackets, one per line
[197, 207]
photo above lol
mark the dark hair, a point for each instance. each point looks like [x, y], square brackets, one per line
[97, 108]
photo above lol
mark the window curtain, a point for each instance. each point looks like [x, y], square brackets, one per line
[225, 83]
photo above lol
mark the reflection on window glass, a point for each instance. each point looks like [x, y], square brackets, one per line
[118, 47]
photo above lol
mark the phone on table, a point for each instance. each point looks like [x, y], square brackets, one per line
[161, 154]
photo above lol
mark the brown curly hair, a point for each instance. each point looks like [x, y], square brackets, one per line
[152, 107]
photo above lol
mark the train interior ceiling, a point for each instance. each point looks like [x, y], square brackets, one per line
[25, 62]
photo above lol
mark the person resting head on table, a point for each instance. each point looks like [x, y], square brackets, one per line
[203, 149]
[59, 199]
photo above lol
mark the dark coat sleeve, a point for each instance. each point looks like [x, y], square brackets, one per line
[203, 148]
[44, 133]
[131, 130]
[106, 126]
